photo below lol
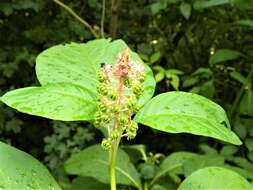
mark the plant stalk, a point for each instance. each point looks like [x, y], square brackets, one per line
[85, 23]
[113, 158]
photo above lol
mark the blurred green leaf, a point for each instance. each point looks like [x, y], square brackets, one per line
[228, 150]
[245, 23]
[239, 77]
[249, 144]
[246, 103]
[222, 55]
[185, 9]
[155, 57]
[203, 4]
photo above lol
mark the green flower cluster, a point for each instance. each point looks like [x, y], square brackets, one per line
[120, 87]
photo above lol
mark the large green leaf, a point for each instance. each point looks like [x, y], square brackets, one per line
[224, 55]
[59, 101]
[179, 112]
[19, 170]
[215, 178]
[78, 63]
[94, 162]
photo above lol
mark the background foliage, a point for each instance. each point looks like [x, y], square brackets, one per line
[192, 45]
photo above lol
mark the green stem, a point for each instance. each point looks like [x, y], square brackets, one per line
[113, 158]
[145, 186]
[68, 9]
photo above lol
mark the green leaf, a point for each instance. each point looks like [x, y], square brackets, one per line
[228, 150]
[78, 63]
[155, 57]
[246, 104]
[249, 144]
[239, 77]
[62, 101]
[160, 74]
[222, 55]
[94, 162]
[215, 178]
[207, 149]
[190, 82]
[172, 162]
[185, 9]
[203, 4]
[182, 112]
[87, 183]
[174, 71]
[245, 22]
[174, 81]
[19, 170]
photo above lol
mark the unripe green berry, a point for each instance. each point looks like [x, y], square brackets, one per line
[123, 120]
[113, 95]
[106, 144]
[101, 76]
[114, 135]
[131, 134]
[132, 104]
[134, 125]
[127, 82]
[101, 88]
[138, 89]
[97, 124]
[97, 116]
[142, 77]
[105, 118]
[102, 107]
[115, 108]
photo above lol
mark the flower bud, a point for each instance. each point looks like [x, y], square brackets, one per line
[106, 144]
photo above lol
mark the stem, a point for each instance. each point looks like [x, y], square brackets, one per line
[114, 18]
[113, 157]
[85, 23]
[145, 186]
[103, 19]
